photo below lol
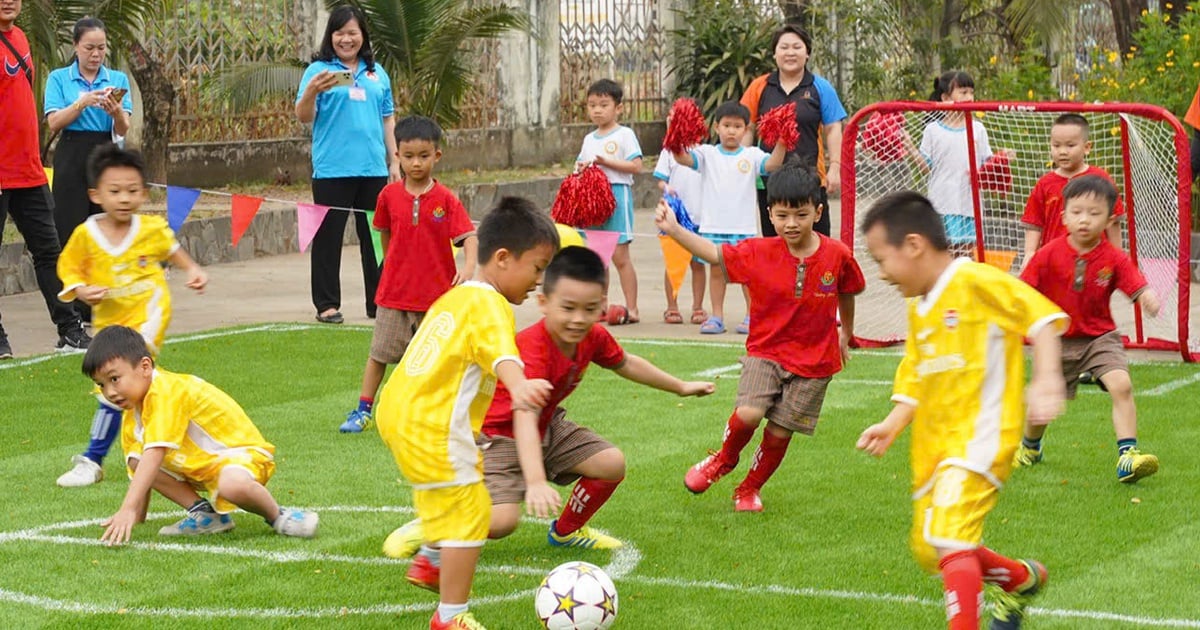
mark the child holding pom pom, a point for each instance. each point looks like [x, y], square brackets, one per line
[728, 199]
[615, 149]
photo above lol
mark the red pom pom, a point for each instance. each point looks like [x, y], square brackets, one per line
[685, 127]
[996, 174]
[584, 199]
[883, 136]
[779, 125]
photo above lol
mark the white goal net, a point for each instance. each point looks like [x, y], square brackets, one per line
[1142, 147]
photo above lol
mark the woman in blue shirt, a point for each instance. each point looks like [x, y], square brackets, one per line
[91, 104]
[353, 151]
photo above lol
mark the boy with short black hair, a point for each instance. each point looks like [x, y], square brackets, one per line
[421, 217]
[1043, 217]
[433, 405]
[181, 433]
[615, 149]
[114, 262]
[798, 281]
[522, 449]
[729, 175]
[1079, 272]
[961, 384]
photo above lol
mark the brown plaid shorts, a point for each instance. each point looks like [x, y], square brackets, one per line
[792, 402]
[565, 446]
[1098, 355]
[394, 329]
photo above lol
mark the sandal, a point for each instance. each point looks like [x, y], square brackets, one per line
[713, 326]
[672, 316]
[744, 327]
[332, 318]
[699, 316]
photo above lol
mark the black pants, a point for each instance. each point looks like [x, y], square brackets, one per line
[326, 248]
[822, 226]
[32, 211]
[71, 203]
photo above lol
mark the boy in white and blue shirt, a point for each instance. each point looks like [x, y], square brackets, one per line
[729, 174]
[684, 183]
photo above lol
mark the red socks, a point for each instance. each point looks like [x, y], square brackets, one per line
[587, 497]
[1004, 572]
[737, 436]
[766, 459]
[963, 581]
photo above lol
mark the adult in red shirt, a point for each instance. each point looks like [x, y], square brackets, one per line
[24, 194]
[798, 281]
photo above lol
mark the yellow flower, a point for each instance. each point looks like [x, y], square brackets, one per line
[1129, 55]
[992, 60]
[1145, 12]
[1071, 96]
[1142, 81]
[1170, 53]
[1196, 64]
[1161, 69]
[1115, 131]
[1113, 56]
[1133, 48]
[1187, 37]
[1169, 6]
[1030, 94]
[1170, 64]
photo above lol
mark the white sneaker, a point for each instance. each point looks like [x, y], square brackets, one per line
[297, 523]
[199, 523]
[84, 472]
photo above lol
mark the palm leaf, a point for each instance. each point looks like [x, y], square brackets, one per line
[1047, 19]
[244, 86]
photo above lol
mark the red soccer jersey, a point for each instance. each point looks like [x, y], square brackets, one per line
[794, 303]
[1044, 209]
[419, 264]
[1082, 284]
[543, 359]
[20, 157]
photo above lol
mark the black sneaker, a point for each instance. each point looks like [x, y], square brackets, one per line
[5, 348]
[73, 340]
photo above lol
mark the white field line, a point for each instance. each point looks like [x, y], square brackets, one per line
[1169, 386]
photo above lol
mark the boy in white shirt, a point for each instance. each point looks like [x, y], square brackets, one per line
[615, 149]
[728, 197]
[685, 184]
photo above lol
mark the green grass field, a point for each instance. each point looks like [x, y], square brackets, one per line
[829, 552]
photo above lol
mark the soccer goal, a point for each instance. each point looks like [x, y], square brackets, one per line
[1143, 147]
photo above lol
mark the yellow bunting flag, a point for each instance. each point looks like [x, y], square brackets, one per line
[677, 259]
[49, 176]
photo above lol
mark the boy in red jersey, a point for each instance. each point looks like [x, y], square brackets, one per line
[799, 281]
[523, 450]
[1043, 218]
[1079, 273]
[422, 217]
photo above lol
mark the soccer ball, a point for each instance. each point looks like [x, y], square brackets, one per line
[576, 596]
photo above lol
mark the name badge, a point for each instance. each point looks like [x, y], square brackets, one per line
[358, 94]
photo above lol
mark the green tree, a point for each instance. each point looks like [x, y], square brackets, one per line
[423, 44]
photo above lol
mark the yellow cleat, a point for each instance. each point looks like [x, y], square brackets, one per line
[585, 537]
[1026, 456]
[1134, 465]
[405, 541]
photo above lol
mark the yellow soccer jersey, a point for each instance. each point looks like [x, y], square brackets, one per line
[200, 425]
[964, 369]
[132, 270]
[433, 405]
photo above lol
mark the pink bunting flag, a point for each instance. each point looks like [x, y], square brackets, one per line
[308, 218]
[602, 242]
[244, 209]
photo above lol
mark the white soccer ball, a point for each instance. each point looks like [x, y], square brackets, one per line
[576, 596]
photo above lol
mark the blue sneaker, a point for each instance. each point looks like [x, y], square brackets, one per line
[199, 523]
[356, 421]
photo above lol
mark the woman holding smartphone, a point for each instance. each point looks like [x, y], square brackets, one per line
[90, 104]
[348, 99]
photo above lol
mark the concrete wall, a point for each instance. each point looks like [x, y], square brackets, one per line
[224, 163]
[274, 232]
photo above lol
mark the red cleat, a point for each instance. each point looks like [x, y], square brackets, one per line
[747, 500]
[461, 621]
[422, 573]
[702, 476]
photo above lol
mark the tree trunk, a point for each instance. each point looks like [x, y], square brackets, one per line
[1127, 15]
[797, 12]
[158, 103]
[950, 33]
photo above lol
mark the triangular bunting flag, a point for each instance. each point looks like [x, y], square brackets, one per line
[677, 261]
[244, 209]
[49, 176]
[309, 217]
[376, 238]
[602, 242]
[179, 205]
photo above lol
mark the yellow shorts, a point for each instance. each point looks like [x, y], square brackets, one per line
[950, 515]
[259, 464]
[456, 516]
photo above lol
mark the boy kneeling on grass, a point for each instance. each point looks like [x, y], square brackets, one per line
[179, 434]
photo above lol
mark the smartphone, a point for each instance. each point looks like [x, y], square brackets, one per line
[344, 77]
[117, 94]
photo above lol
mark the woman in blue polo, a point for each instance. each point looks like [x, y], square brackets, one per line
[353, 151]
[91, 104]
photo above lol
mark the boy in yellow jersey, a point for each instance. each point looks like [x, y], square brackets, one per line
[961, 384]
[113, 261]
[180, 434]
[432, 408]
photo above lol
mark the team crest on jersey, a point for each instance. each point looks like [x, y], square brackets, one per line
[828, 281]
[142, 262]
[439, 214]
[807, 94]
[743, 165]
[610, 147]
[950, 318]
[1104, 276]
